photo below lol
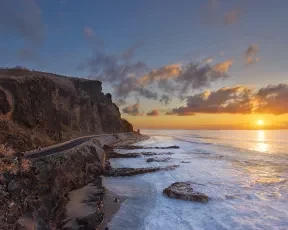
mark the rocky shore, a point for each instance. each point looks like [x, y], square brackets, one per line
[34, 195]
[64, 190]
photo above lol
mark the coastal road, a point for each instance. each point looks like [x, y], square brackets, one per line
[62, 146]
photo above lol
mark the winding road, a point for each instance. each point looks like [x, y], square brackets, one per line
[63, 146]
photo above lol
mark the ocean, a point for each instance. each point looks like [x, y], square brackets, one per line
[244, 173]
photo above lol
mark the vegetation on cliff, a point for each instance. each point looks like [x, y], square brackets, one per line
[38, 109]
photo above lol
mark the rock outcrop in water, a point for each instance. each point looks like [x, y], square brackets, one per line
[39, 109]
[184, 191]
[133, 147]
[156, 159]
[136, 171]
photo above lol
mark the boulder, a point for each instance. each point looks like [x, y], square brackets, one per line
[184, 191]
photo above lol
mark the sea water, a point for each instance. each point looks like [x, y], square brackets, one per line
[244, 173]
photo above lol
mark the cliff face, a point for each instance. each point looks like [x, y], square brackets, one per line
[38, 109]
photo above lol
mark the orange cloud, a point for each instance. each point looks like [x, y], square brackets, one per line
[237, 100]
[133, 110]
[223, 67]
[154, 112]
[165, 72]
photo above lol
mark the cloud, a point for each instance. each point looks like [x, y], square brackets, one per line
[162, 73]
[177, 79]
[130, 86]
[129, 53]
[232, 16]
[154, 112]
[165, 99]
[120, 102]
[133, 110]
[129, 78]
[223, 67]
[271, 99]
[88, 32]
[250, 54]
[207, 60]
[225, 100]
[22, 17]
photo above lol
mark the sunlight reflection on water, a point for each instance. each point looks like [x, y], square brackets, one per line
[261, 146]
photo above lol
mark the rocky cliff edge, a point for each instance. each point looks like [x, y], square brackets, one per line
[38, 109]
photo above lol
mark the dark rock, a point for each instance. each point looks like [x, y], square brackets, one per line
[135, 171]
[132, 147]
[156, 159]
[107, 148]
[185, 161]
[119, 155]
[156, 154]
[169, 147]
[14, 186]
[107, 165]
[184, 191]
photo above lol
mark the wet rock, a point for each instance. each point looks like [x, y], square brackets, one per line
[119, 155]
[169, 147]
[136, 171]
[107, 165]
[132, 147]
[129, 147]
[184, 191]
[185, 161]
[156, 159]
[155, 154]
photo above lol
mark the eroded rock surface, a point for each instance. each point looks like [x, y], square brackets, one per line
[119, 155]
[156, 159]
[156, 154]
[133, 147]
[135, 171]
[184, 191]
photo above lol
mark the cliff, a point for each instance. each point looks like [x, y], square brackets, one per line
[39, 109]
[34, 192]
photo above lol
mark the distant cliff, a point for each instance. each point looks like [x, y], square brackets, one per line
[38, 109]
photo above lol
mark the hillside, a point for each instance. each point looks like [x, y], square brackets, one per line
[38, 109]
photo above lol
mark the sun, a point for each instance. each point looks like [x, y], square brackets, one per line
[260, 122]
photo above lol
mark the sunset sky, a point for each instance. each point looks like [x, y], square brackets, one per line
[218, 64]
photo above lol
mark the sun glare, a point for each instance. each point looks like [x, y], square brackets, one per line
[260, 122]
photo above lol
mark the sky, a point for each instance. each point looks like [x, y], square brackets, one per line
[201, 64]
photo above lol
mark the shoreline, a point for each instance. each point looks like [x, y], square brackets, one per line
[76, 208]
[110, 208]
